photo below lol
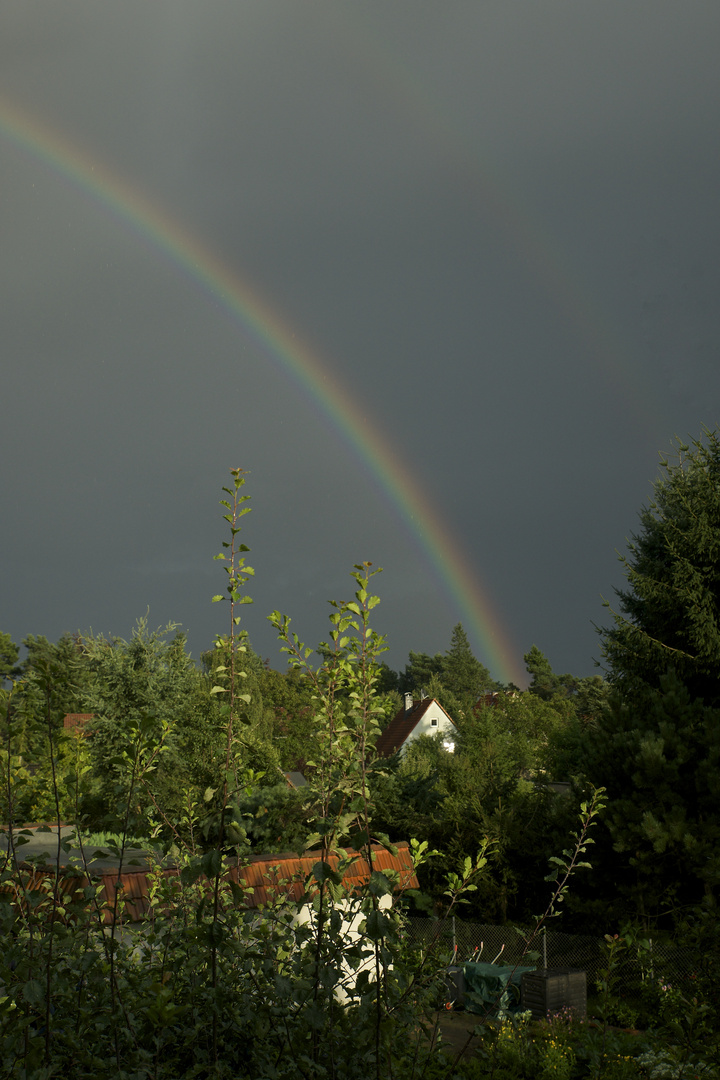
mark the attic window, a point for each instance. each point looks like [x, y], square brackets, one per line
[433, 722]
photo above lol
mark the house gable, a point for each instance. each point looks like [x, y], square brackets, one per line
[426, 717]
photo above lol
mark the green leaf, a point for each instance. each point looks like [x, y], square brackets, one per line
[379, 884]
[323, 871]
[377, 925]
[34, 992]
[238, 893]
[211, 863]
[190, 874]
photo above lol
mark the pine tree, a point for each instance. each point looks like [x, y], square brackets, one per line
[660, 764]
[657, 750]
[545, 683]
[419, 670]
[9, 653]
[463, 674]
[669, 616]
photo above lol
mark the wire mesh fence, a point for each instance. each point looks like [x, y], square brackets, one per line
[478, 942]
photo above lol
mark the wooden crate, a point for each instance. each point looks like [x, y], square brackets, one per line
[551, 990]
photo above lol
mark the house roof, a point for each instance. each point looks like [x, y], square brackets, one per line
[493, 699]
[265, 878]
[73, 720]
[486, 701]
[271, 876]
[402, 725]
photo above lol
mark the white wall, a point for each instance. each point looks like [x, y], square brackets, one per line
[443, 727]
[352, 920]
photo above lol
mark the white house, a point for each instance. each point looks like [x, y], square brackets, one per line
[416, 718]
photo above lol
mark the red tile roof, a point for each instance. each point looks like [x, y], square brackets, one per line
[266, 878]
[402, 725]
[74, 720]
[271, 876]
[487, 701]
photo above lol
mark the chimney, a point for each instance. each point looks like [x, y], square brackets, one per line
[408, 703]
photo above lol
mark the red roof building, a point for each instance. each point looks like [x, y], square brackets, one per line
[416, 718]
[76, 721]
[264, 878]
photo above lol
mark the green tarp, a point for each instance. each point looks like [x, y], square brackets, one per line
[490, 988]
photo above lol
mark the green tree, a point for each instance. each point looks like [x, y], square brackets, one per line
[463, 674]
[273, 817]
[669, 615]
[289, 717]
[347, 712]
[545, 683]
[148, 683]
[578, 701]
[50, 682]
[456, 679]
[419, 670]
[9, 652]
[247, 680]
[660, 846]
[488, 786]
[658, 747]
[61, 665]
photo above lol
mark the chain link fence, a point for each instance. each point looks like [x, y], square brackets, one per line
[478, 942]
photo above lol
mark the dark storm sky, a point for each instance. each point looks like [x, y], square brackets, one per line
[495, 226]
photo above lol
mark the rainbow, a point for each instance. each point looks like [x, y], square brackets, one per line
[132, 209]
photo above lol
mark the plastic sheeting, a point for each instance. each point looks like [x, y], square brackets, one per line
[492, 988]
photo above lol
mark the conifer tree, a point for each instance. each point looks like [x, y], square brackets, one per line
[545, 683]
[463, 673]
[9, 653]
[661, 761]
[669, 616]
[419, 670]
[658, 748]
[457, 678]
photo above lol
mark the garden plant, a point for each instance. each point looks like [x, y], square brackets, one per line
[207, 985]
